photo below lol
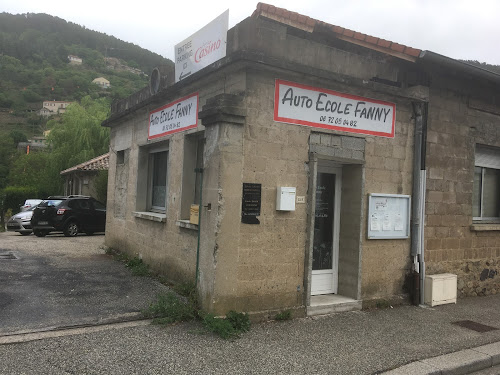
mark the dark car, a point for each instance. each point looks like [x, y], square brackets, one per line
[71, 215]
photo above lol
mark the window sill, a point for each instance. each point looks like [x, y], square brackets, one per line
[153, 216]
[482, 227]
[186, 224]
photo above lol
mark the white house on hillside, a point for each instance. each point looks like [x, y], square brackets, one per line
[103, 82]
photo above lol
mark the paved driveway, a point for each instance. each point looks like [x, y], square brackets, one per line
[57, 282]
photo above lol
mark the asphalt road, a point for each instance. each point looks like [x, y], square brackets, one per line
[58, 281]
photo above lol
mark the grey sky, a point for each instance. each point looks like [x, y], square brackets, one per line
[459, 29]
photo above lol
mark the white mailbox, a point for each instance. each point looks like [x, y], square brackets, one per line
[285, 198]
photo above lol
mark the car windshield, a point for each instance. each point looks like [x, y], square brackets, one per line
[51, 203]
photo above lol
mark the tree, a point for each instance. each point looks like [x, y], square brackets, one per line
[80, 136]
[35, 171]
[7, 153]
[76, 138]
[18, 136]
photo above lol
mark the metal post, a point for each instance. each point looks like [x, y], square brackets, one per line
[199, 170]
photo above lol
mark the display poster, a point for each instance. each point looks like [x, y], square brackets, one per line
[250, 203]
[174, 117]
[203, 48]
[299, 104]
[323, 222]
[388, 216]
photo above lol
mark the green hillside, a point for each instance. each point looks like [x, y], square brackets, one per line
[34, 67]
[34, 63]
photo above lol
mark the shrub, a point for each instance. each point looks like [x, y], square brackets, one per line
[14, 196]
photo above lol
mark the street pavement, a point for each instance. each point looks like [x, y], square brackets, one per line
[401, 340]
[58, 282]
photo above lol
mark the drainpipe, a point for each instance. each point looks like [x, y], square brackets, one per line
[200, 171]
[418, 201]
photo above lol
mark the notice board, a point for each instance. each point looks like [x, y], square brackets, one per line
[250, 203]
[388, 216]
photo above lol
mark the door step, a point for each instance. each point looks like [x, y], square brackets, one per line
[332, 303]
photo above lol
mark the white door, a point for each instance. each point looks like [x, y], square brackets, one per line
[326, 230]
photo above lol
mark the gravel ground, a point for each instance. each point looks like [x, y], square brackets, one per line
[362, 342]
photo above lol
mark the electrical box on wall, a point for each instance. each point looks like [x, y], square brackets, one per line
[440, 289]
[285, 198]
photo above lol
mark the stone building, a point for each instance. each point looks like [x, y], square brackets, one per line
[81, 178]
[303, 147]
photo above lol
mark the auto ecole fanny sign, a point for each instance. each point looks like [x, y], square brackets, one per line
[299, 104]
[174, 117]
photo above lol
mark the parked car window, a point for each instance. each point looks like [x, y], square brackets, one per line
[51, 203]
[99, 206]
[84, 204]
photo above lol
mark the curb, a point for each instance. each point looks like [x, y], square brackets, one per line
[16, 338]
[457, 363]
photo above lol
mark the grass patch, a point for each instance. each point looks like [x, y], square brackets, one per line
[169, 308]
[232, 326]
[382, 304]
[181, 305]
[283, 315]
[137, 266]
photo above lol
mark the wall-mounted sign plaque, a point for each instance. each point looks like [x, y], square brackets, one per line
[250, 203]
[299, 104]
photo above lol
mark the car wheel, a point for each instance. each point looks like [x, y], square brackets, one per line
[40, 233]
[71, 229]
[25, 233]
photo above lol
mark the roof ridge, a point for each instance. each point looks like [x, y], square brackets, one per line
[88, 165]
[309, 24]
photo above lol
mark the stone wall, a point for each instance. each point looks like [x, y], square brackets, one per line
[453, 243]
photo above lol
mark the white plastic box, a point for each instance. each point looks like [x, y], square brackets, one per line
[440, 289]
[285, 198]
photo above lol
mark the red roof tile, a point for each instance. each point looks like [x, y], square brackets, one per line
[359, 36]
[384, 43]
[348, 33]
[95, 164]
[306, 23]
[398, 47]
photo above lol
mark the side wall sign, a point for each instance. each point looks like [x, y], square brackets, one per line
[201, 49]
[174, 117]
[299, 104]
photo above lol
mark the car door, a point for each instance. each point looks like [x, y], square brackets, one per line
[99, 216]
[85, 213]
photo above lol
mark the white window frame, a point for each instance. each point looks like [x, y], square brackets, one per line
[151, 170]
[193, 158]
[486, 157]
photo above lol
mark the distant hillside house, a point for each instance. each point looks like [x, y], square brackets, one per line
[103, 82]
[75, 60]
[116, 64]
[34, 144]
[52, 107]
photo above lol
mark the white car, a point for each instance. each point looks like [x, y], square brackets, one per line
[30, 203]
[21, 222]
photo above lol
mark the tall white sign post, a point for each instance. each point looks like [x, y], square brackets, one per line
[203, 48]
